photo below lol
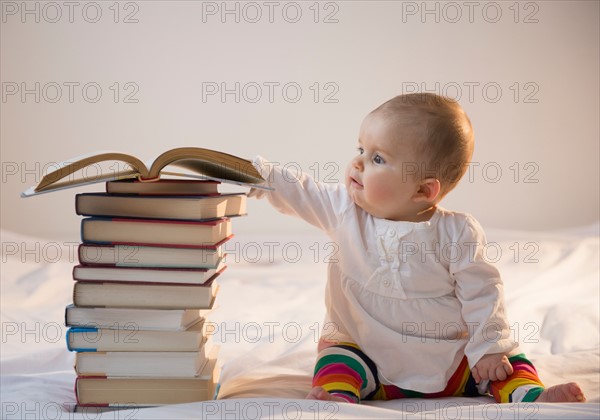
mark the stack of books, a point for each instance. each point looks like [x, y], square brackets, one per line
[150, 258]
[151, 252]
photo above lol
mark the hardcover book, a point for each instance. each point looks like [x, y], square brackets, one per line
[133, 319]
[155, 232]
[132, 338]
[135, 295]
[200, 163]
[92, 273]
[133, 255]
[154, 364]
[163, 187]
[161, 207]
[115, 392]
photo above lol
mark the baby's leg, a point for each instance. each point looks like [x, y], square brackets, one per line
[524, 385]
[343, 373]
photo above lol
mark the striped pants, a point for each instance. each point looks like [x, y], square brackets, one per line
[345, 371]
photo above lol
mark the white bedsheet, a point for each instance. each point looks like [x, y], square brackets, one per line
[269, 314]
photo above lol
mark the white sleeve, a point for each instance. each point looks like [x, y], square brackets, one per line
[320, 204]
[481, 293]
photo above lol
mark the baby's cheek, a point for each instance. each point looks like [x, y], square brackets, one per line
[381, 193]
[347, 176]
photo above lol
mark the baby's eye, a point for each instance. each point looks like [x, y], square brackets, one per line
[378, 159]
[360, 150]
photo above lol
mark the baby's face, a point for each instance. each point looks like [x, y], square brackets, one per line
[379, 179]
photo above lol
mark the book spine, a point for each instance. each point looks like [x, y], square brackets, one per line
[206, 283]
[66, 314]
[80, 330]
[160, 245]
[210, 222]
[81, 228]
[77, 393]
[80, 253]
[140, 268]
[208, 245]
[77, 204]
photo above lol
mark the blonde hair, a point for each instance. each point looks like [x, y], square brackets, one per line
[442, 133]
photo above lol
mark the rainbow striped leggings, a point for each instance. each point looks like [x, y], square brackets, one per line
[345, 371]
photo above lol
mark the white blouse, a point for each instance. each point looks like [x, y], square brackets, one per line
[415, 297]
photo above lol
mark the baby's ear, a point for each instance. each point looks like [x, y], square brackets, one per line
[428, 191]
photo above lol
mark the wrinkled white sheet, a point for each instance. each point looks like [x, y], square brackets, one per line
[269, 314]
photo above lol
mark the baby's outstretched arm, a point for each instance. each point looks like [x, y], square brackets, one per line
[318, 203]
[493, 367]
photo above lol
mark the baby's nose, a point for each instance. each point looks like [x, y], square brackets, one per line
[357, 162]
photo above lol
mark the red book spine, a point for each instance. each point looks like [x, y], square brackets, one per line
[77, 393]
[168, 221]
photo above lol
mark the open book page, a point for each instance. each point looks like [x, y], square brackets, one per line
[98, 166]
[195, 163]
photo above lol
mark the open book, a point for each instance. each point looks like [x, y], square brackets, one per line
[200, 163]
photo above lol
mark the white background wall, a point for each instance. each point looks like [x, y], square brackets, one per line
[526, 73]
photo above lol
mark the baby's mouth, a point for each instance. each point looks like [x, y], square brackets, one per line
[355, 183]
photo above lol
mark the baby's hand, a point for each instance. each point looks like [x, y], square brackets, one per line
[494, 367]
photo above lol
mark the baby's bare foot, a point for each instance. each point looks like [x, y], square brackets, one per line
[570, 392]
[318, 393]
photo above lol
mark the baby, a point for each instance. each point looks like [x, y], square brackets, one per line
[416, 310]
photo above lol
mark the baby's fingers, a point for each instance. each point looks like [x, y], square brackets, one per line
[501, 373]
[475, 374]
[504, 370]
[508, 368]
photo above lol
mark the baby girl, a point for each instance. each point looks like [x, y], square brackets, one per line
[417, 310]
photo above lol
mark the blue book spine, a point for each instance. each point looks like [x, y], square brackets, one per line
[84, 330]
